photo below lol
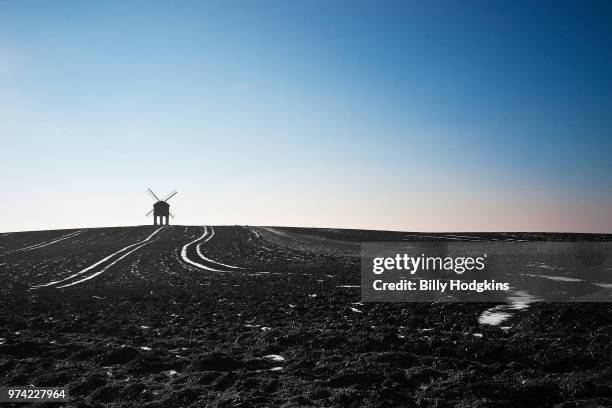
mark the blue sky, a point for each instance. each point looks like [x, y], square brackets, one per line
[388, 115]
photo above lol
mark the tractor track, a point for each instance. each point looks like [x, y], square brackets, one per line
[115, 257]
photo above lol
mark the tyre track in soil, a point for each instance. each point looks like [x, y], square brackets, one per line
[197, 258]
[201, 255]
[20, 270]
[161, 261]
[113, 258]
[44, 243]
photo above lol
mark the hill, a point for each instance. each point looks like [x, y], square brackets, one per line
[269, 316]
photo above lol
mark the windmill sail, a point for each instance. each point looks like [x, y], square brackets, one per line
[169, 196]
[152, 194]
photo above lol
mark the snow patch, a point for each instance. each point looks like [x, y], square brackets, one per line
[274, 357]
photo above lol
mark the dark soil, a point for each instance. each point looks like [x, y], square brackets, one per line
[153, 331]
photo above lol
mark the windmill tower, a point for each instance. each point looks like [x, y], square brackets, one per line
[161, 208]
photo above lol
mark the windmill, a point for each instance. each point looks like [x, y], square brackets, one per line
[161, 208]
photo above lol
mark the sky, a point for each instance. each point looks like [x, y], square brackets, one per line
[414, 116]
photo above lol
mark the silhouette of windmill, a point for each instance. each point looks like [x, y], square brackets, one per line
[161, 208]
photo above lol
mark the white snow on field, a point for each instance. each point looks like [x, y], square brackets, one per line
[498, 314]
[555, 278]
[46, 243]
[276, 231]
[438, 237]
[274, 357]
[204, 238]
[493, 318]
[140, 245]
[257, 233]
[199, 251]
[196, 264]
[103, 269]
[464, 237]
